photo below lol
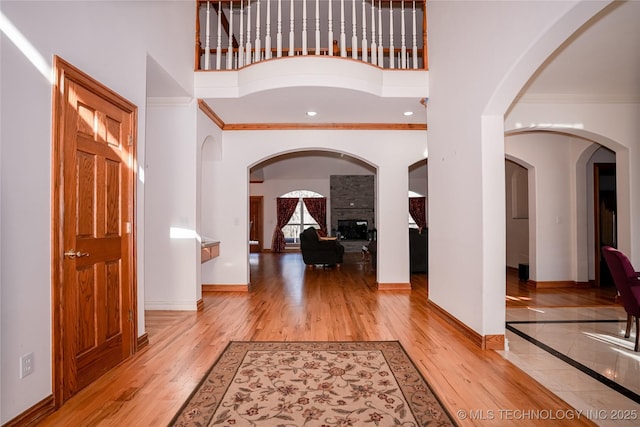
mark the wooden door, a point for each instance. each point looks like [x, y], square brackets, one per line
[94, 187]
[255, 222]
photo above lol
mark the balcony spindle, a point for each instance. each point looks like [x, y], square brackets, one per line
[230, 48]
[343, 37]
[365, 43]
[219, 42]
[241, 47]
[403, 47]
[304, 28]
[368, 48]
[374, 53]
[317, 28]
[248, 49]
[354, 35]
[330, 32]
[279, 35]
[392, 51]
[291, 33]
[380, 47]
[415, 43]
[267, 36]
[257, 55]
[207, 46]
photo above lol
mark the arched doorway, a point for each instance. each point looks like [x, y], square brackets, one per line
[310, 171]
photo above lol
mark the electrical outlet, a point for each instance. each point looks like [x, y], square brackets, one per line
[26, 365]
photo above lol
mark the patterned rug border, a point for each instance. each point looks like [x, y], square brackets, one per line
[383, 346]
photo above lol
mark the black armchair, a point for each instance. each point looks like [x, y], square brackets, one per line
[318, 251]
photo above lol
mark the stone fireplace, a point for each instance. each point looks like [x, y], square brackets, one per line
[352, 198]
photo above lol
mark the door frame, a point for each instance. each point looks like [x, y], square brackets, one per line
[62, 71]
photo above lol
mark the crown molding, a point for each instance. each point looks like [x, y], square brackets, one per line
[166, 100]
[578, 98]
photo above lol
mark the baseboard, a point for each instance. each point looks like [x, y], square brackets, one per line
[143, 341]
[494, 342]
[171, 305]
[485, 342]
[394, 286]
[200, 305]
[34, 415]
[225, 288]
[550, 284]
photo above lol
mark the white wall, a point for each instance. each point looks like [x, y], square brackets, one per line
[209, 138]
[418, 178]
[110, 41]
[172, 243]
[554, 158]
[475, 76]
[612, 125]
[241, 150]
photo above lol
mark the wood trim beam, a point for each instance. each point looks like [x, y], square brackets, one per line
[208, 111]
[326, 126]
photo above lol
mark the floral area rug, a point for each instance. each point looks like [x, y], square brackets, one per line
[314, 384]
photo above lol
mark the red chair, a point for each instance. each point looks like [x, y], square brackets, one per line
[627, 281]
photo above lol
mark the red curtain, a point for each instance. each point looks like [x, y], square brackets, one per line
[285, 207]
[418, 211]
[317, 207]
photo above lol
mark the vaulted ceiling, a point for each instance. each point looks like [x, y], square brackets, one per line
[601, 62]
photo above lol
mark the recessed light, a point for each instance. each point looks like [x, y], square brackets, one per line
[408, 113]
[311, 113]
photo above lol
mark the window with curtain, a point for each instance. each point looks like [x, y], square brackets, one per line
[301, 218]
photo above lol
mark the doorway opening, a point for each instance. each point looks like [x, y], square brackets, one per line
[605, 218]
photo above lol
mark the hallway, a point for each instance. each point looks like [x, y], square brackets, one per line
[288, 301]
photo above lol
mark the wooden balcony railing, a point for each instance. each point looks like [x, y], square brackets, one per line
[232, 34]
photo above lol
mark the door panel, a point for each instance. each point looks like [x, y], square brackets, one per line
[97, 288]
[255, 218]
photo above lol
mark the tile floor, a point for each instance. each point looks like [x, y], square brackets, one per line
[592, 337]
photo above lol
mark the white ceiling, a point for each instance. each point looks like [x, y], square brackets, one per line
[333, 105]
[601, 62]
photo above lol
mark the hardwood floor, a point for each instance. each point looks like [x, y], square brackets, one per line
[290, 302]
[519, 294]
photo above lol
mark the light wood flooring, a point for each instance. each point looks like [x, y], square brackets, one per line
[290, 302]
